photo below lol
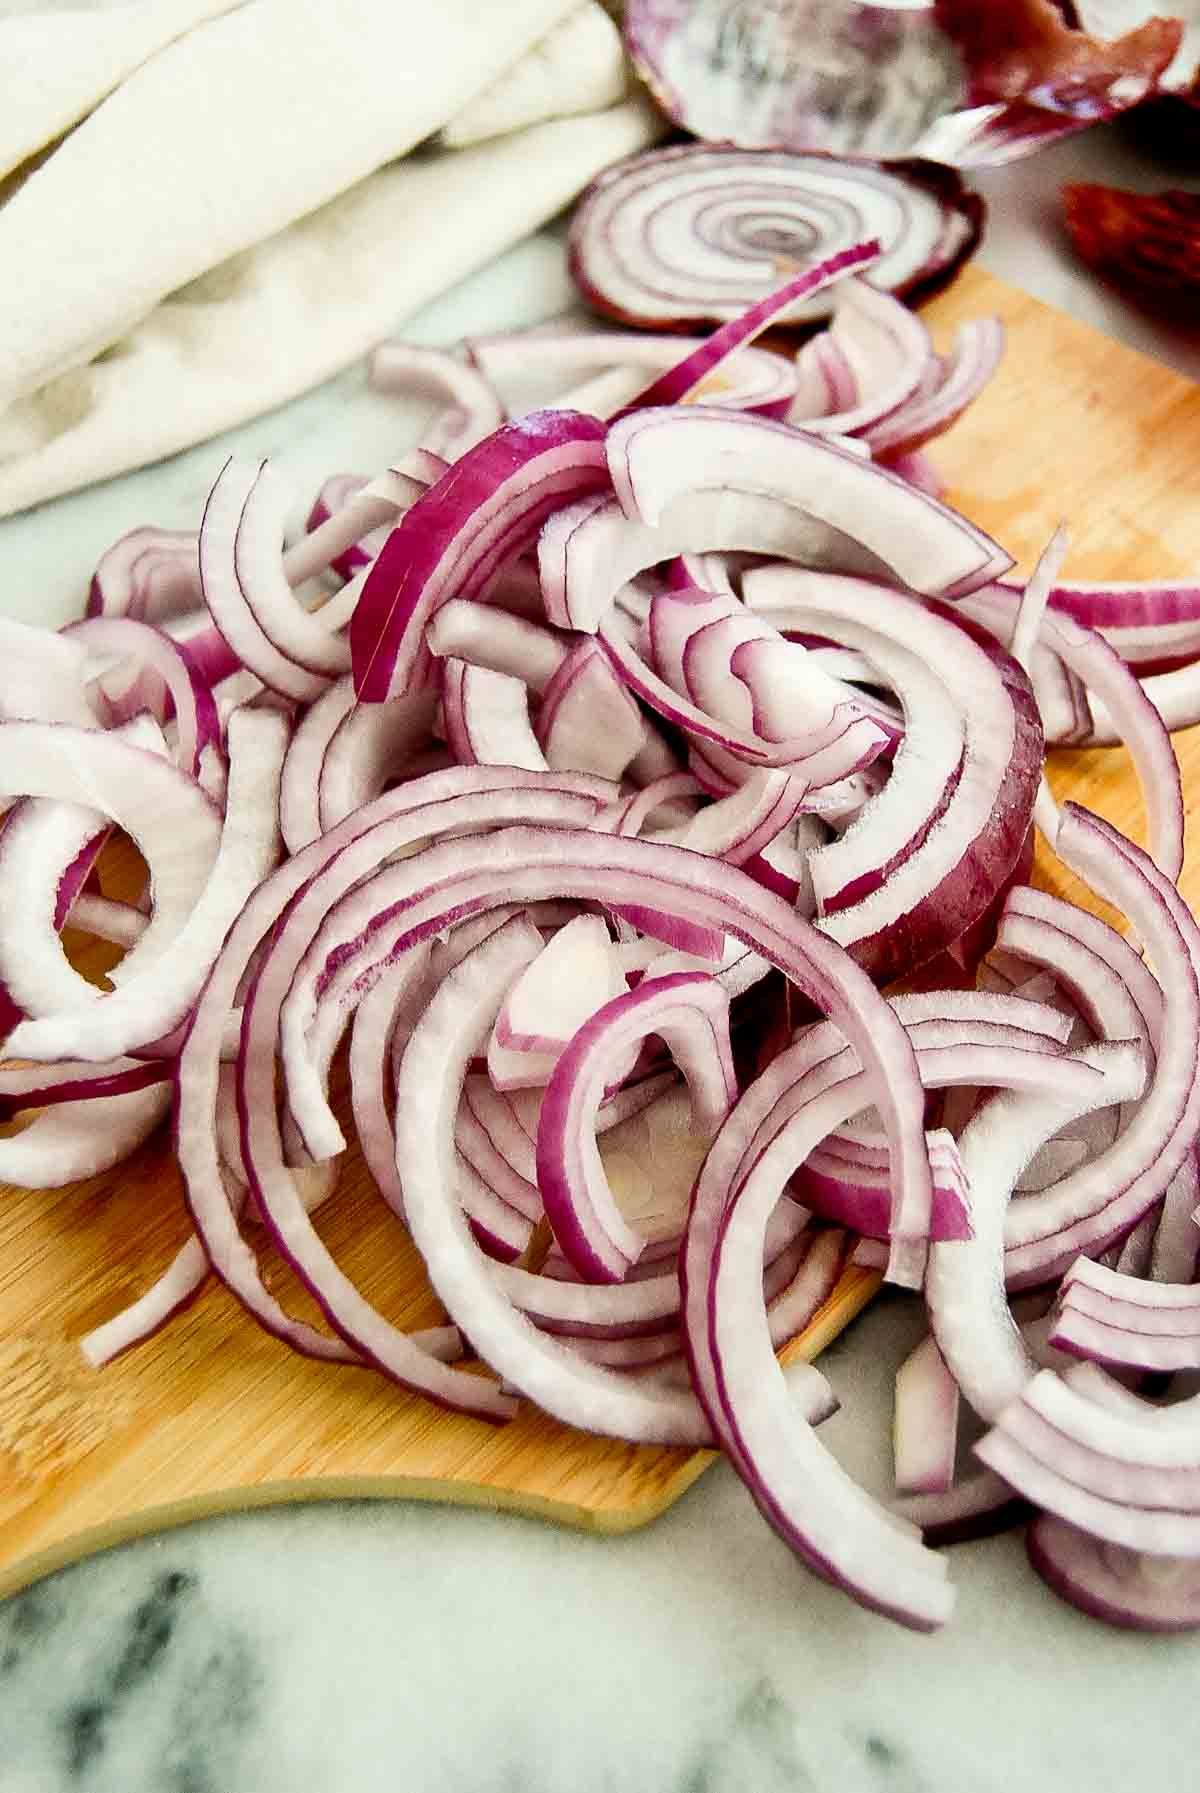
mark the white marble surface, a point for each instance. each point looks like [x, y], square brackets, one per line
[393, 1647]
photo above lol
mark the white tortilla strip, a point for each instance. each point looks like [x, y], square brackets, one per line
[59, 65]
[282, 316]
[579, 66]
[252, 120]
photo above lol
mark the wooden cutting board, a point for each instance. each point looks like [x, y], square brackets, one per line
[213, 1414]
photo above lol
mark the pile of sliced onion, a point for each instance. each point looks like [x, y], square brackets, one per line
[587, 781]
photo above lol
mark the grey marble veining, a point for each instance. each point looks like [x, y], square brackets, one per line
[378, 1648]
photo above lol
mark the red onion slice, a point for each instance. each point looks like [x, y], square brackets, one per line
[792, 299]
[147, 1006]
[191, 700]
[171, 820]
[456, 537]
[473, 408]
[690, 1011]
[1121, 1587]
[926, 1422]
[587, 721]
[1104, 1198]
[486, 716]
[45, 677]
[73, 1140]
[694, 234]
[149, 574]
[232, 568]
[200, 1057]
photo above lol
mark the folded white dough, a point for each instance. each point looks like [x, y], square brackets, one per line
[222, 138]
[276, 319]
[579, 66]
[59, 65]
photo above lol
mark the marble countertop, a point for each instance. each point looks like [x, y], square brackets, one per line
[355, 1648]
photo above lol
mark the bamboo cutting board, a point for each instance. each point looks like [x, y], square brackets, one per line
[212, 1413]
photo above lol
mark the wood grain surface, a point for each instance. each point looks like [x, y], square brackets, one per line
[212, 1413]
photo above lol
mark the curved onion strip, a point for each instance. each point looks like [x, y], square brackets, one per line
[173, 823]
[963, 858]
[794, 296]
[1121, 1587]
[299, 811]
[149, 574]
[148, 1006]
[456, 537]
[1102, 1200]
[485, 636]
[486, 717]
[925, 1430]
[371, 747]
[434, 1063]
[72, 1140]
[474, 407]
[690, 1012]
[964, 1283]
[1101, 671]
[191, 697]
[239, 492]
[396, 820]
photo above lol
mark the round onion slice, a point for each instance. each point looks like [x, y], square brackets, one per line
[694, 234]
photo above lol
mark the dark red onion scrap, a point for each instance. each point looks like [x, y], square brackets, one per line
[964, 80]
[589, 815]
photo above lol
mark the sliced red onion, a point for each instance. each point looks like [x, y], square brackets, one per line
[149, 1005]
[694, 235]
[825, 506]
[791, 300]
[47, 852]
[576, 973]
[456, 537]
[1129, 1478]
[443, 1042]
[73, 1140]
[485, 636]
[587, 721]
[473, 408]
[245, 588]
[371, 747]
[962, 376]
[486, 716]
[300, 785]
[1175, 1254]
[964, 1284]
[468, 796]
[871, 360]
[978, 1506]
[149, 574]
[1106, 1197]
[45, 677]
[351, 519]
[926, 1423]
[1100, 670]
[191, 700]
[171, 820]
[925, 892]
[690, 1011]
[1121, 1587]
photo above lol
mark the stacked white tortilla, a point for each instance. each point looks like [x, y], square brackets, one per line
[239, 199]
